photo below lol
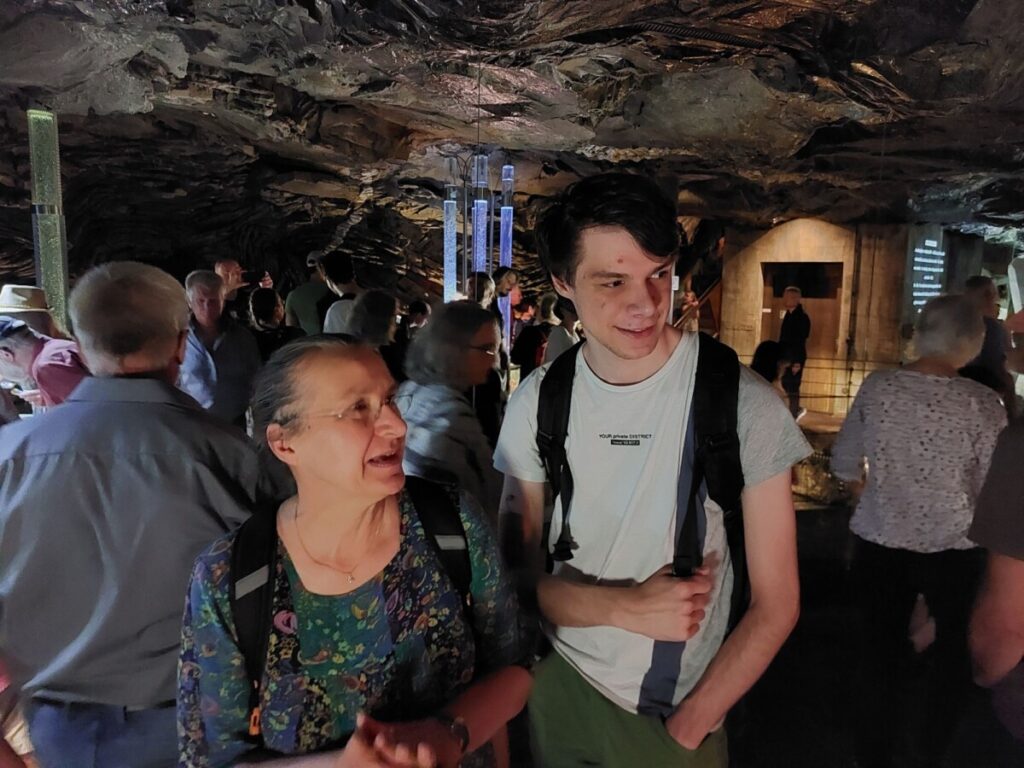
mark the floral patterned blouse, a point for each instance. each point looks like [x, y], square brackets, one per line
[398, 647]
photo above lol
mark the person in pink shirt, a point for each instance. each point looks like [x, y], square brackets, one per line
[52, 366]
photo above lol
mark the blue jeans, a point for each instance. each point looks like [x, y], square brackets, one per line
[101, 736]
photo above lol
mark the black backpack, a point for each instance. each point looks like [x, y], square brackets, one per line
[716, 460]
[254, 561]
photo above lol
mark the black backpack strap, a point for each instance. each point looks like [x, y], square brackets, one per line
[253, 562]
[553, 407]
[437, 507]
[717, 458]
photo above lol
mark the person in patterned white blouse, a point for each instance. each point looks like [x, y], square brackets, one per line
[915, 447]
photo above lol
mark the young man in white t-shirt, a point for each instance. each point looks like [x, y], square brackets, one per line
[642, 673]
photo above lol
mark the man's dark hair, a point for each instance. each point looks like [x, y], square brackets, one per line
[528, 300]
[625, 200]
[500, 272]
[419, 307]
[564, 306]
[262, 304]
[337, 267]
[977, 282]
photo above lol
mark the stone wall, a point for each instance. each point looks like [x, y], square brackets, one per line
[873, 258]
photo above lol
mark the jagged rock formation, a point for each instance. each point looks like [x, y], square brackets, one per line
[268, 128]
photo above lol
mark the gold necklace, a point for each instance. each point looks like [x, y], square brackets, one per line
[350, 575]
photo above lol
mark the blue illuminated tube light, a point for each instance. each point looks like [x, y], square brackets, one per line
[508, 177]
[451, 229]
[451, 266]
[481, 210]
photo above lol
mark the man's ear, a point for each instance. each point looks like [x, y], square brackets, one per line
[279, 443]
[179, 353]
[6, 355]
[563, 288]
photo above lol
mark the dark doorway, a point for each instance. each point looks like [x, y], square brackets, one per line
[821, 284]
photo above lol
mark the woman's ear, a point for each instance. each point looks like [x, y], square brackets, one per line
[279, 442]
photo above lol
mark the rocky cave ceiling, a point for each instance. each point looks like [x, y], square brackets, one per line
[268, 128]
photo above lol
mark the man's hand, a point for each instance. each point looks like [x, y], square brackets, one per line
[30, 396]
[687, 729]
[666, 607]
[1015, 323]
[266, 281]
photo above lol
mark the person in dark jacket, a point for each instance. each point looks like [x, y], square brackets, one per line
[796, 328]
[266, 315]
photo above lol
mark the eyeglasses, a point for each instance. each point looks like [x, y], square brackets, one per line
[364, 412]
[487, 350]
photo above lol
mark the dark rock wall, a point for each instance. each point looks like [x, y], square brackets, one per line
[265, 129]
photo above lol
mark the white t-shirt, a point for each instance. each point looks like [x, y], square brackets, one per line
[336, 319]
[625, 449]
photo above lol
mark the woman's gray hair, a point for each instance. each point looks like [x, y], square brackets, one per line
[275, 390]
[949, 326]
[127, 308]
[437, 354]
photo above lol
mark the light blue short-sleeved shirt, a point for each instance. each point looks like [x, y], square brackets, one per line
[105, 502]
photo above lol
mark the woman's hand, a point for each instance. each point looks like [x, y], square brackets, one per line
[415, 744]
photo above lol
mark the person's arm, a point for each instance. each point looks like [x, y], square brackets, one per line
[9, 758]
[502, 685]
[769, 524]
[213, 690]
[848, 449]
[997, 625]
[290, 318]
[663, 607]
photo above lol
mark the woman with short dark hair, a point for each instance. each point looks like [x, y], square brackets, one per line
[373, 658]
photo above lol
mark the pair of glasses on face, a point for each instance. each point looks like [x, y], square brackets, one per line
[486, 349]
[364, 411]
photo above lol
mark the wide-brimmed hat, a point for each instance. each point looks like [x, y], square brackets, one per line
[22, 299]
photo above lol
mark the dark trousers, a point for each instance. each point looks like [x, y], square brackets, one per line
[101, 736]
[791, 384]
[909, 704]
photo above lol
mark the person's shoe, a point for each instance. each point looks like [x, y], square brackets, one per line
[800, 414]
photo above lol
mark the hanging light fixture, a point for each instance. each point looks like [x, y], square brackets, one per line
[508, 177]
[451, 227]
[481, 206]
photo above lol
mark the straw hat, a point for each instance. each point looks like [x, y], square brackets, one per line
[19, 299]
[28, 303]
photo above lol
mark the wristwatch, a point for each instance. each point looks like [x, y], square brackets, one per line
[457, 728]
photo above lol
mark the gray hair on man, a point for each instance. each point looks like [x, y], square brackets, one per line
[125, 314]
[203, 278]
[950, 327]
[794, 289]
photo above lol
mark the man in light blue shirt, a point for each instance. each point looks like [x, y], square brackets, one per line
[221, 357]
[104, 505]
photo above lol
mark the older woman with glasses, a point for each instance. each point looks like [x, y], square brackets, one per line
[373, 657]
[456, 351]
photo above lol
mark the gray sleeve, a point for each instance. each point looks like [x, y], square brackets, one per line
[848, 449]
[770, 440]
[517, 454]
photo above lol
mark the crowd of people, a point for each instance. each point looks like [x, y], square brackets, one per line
[328, 530]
